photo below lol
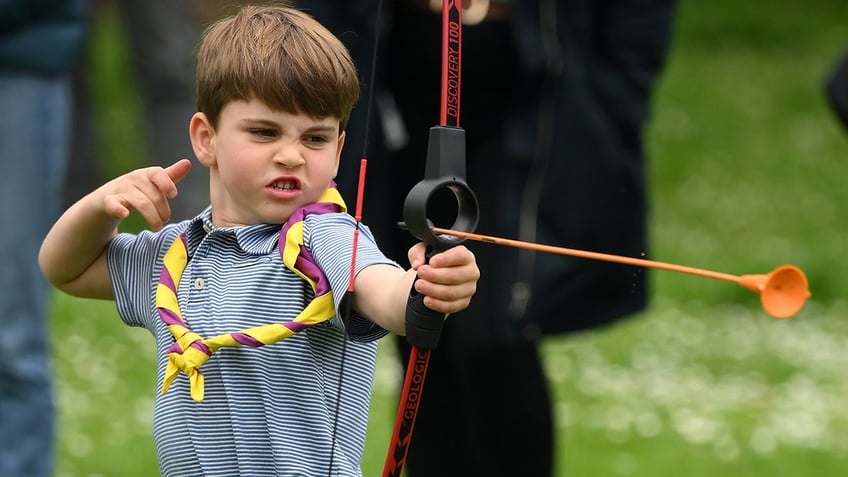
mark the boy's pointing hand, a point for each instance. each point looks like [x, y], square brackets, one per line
[146, 190]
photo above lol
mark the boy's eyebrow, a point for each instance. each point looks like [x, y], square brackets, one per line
[329, 128]
[319, 128]
[259, 122]
[323, 130]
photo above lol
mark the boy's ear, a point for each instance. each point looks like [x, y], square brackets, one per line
[202, 139]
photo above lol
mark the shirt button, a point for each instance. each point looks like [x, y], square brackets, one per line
[199, 283]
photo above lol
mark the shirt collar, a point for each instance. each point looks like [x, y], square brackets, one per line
[260, 239]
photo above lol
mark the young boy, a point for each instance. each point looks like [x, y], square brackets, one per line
[255, 374]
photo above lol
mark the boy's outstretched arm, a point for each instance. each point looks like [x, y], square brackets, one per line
[448, 281]
[73, 255]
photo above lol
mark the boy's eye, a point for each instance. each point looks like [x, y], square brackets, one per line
[315, 139]
[262, 132]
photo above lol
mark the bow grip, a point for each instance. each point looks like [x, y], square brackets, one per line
[423, 325]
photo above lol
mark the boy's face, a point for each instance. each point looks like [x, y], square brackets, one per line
[264, 164]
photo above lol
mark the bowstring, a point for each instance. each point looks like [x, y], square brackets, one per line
[346, 305]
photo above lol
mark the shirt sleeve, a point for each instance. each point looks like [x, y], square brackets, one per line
[329, 238]
[134, 263]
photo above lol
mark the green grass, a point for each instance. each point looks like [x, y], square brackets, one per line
[746, 173]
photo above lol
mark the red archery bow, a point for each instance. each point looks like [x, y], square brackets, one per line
[445, 169]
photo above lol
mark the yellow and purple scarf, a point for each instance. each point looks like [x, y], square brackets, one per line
[190, 350]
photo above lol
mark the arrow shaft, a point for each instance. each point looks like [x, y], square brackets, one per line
[641, 262]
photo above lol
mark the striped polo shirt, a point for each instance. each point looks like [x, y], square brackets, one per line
[267, 411]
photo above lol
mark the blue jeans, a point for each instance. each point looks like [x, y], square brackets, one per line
[34, 122]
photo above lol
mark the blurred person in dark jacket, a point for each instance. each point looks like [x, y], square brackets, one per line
[555, 97]
[39, 43]
[836, 90]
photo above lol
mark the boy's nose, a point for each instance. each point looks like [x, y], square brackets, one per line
[289, 156]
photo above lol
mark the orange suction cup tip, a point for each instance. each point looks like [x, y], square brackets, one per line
[783, 292]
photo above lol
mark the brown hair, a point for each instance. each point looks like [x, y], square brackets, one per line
[278, 55]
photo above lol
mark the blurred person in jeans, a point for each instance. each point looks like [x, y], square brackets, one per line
[39, 43]
[162, 36]
[555, 99]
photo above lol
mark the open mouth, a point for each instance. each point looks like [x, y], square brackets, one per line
[284, 185]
